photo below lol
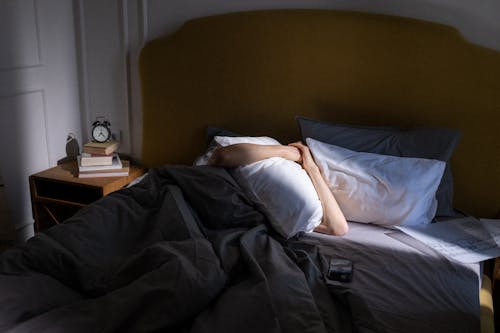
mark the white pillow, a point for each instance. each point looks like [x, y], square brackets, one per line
[227, 140]
[380, 189]
[232, 140]
[281, 187]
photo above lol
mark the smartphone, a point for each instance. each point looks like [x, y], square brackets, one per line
[340, 270]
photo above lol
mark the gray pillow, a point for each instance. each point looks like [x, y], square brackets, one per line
[422, 142]
[213, 131]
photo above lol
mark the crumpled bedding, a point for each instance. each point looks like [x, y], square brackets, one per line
[182, 251]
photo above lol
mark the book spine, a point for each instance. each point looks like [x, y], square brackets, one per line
[95, 161]
[116, 164]
[104, 149]
[97, 151]
[101, 175]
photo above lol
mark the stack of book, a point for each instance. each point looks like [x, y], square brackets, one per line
[99, 159]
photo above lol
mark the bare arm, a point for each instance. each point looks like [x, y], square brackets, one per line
[246, 153]
[333, 221]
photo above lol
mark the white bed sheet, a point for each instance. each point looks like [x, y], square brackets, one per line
[406, 288]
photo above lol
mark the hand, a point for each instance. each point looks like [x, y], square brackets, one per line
[306, 160]
[333, 221]
[291, 153]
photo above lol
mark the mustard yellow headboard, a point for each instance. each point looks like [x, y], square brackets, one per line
[252, 72]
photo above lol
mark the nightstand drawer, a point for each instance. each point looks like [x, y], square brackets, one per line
[49, 189]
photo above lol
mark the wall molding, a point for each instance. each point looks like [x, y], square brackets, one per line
[138, 35]
[38, 50]
[17, 80]
[81, 55]
[143, 20]
[46, 125]
[5, 99]
[124, 22]
[19, 94]
[17, 68]
[42, 91]
[37, 31]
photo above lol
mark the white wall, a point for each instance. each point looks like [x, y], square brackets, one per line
[479, 21]
[103, 42]
[38, 96]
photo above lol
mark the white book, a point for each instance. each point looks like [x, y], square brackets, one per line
[124, 171]
[87, 159]
[103, 174]
[116, 164]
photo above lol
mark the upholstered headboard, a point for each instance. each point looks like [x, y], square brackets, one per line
[252, 72]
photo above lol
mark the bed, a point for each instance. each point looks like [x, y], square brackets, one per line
[187, 249]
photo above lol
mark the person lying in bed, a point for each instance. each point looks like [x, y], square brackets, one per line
[333, 221]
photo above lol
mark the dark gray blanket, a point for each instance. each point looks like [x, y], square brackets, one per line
[182, 251]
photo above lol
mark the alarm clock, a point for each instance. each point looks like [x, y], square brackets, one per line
[101, 131]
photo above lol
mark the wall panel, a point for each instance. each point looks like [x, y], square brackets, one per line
[38, 97]
[102, 45]
[23, 139]
[22, 48]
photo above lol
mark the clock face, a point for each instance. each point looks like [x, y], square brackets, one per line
[101, 133]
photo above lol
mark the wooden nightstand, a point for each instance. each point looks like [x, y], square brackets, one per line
[57, 193]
